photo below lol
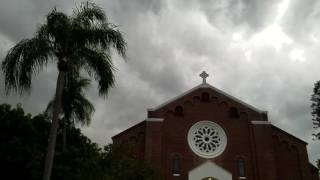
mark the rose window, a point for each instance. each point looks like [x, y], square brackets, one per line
[207, 139]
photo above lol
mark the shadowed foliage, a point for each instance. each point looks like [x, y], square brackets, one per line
[76, 43]
[315, 106]
[118, 162]
[23, 141]
[76, 108]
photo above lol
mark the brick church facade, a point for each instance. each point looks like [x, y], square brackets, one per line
[206, 134]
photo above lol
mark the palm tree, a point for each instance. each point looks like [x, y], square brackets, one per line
[76, 108]
[82, 41]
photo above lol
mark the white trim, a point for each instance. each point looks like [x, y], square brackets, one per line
[242, 177]
[261, 122]
[221, 134]
[236, 99]
[154, 119]
[175, 98]
[205, 85]
[209, 169]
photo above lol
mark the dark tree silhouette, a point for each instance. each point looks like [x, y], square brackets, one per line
[22, 152]
[76, 108]
[83, 40]
[315, 106]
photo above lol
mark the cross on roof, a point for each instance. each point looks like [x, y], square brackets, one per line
[204, 75]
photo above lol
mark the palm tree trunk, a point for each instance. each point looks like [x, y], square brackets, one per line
[64, 135]
[54, 126]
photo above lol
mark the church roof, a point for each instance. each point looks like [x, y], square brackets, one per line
[206, 85]
[288, 134]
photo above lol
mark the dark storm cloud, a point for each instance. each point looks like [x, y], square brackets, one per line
[301, 18]
[134, 6]
[281, 87]
[19, 19]
[171, 42]
[252, 13]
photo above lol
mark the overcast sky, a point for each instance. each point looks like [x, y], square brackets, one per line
[265, 52]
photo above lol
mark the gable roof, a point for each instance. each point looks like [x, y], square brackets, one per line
[206, 85]
[142, 123]
[288, 134]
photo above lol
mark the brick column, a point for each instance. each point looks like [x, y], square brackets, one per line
[265, 155]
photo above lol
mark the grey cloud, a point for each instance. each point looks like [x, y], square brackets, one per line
[141, 5]
[254, 13]
[279, 86]
[19, 19]
[167, 49]
[301, 18]
[124, 12]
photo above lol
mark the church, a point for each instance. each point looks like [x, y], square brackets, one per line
[207, 134]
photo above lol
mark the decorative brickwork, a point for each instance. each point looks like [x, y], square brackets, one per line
[266, 152]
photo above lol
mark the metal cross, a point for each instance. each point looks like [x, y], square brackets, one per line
[204, 75]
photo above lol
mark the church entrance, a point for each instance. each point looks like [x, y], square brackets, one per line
[209, 178]
[209, 171]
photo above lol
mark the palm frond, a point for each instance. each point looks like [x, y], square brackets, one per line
[22, 61]
[75, 106]
[88, 13]
[103, 36]
[98, 65]
[83, 110]
[49, 109]
[81, 41]
[58, 28]
[78, 84]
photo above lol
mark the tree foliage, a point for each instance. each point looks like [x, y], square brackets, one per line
[23, 140]
[83, 40]
[315, 106]
[22, 143]
[80, 42]
[76, 108]
[119, 163]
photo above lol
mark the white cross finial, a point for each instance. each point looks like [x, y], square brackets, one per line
[204, 75]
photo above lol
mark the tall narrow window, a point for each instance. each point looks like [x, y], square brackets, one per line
[178, 111]
[241, 169]
[233, 112]
[176, 166]
[205, 97]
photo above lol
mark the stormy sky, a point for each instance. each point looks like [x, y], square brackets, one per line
[265, 52]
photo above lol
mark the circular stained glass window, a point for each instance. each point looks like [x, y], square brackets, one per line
[207, 139]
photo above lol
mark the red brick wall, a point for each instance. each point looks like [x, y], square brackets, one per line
[135, 137]
[175, 130]
[265, 162]
[292, 157]
[265, 157]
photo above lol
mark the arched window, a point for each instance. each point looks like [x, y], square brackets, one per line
[205, 97]
[176, 165]
[233, 112]
[133, 139]
[241, 168]
[178, 111]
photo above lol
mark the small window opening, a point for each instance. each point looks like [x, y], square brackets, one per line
[241, 169]
[176, 166]
[133, 139]
[178, 111]
[205, 97]
[233, 112]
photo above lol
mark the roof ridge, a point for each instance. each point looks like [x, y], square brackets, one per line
[206, 85]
